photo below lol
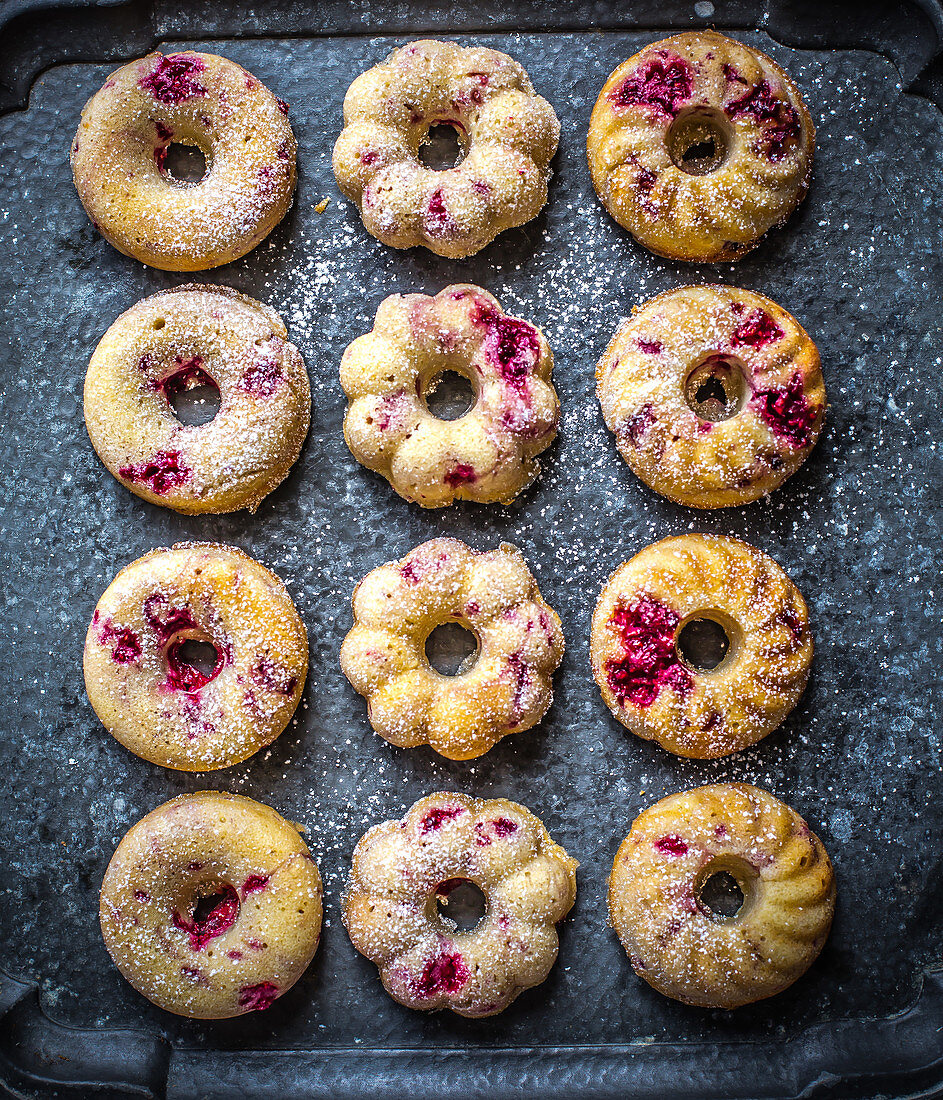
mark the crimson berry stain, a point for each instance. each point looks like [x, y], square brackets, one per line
[273, 676]
[127, 645]
[164, 134]
[220, 918]
[649, 659]
[756, 330]
[446, 973]
[257, 998]
[160, 474]
[664, 83]
[791, 618]
[459, 474]
[437, 817]
[512, 345]
[637, 424]
[780, 120]
[672, 845]
[175, 620]
[172, 80]
[187, 375]
[787, 411]
[439, 222]
[182, 676]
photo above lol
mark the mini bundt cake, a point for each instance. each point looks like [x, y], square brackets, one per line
[486, 455]
[193, 99]
[211, 906]
[495, 597]
[637, 648]
[176, 340]
[698, 145]
[139, 657]
[507, 132]
[714, 394]
[401, 869]
[681, 945]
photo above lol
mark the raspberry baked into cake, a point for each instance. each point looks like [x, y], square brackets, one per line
[174, 341]
[487, 455]
[211, 906]
[682, 946]
[139, 662]
[638, 654]
[119, 160]
[714, 394]
[698, 145]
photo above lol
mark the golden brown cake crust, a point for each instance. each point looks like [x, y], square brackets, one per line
[211, 906]
[638, 665]
[487, 455]
[402, 868]
[675, 941]
[494, 596]
[148, 694]
[196, 99]
[508, 133]
[698, 145]
[190, 336]
[758, 362]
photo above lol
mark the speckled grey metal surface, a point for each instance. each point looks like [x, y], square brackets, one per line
[860, 265]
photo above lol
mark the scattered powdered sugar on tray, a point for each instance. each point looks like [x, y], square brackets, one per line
[859, 266]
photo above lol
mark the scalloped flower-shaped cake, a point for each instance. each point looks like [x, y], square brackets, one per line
[401, 869]
[487, 455]
[507, 132]
[495, 597]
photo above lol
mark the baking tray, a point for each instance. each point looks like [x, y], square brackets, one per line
[860, 265]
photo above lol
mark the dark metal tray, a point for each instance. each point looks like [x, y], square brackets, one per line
[861, 266]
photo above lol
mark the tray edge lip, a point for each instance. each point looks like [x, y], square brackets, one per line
[17, 8]
[933, 9]
[811, 1076]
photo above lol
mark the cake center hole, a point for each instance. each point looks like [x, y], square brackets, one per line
[217, 908]
[722, 895]
[698, 141]
[184, 164]
[450, 395]
[716, 388]
[193, 397]
[192, 663]
[703, 644]
[442, 147]
[451, 649]
[461, 901]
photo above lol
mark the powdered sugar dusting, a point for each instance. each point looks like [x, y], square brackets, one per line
[853, 528]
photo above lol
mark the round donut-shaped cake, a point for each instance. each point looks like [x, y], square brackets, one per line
[191, 99]
[714, 394]
[698, 145]
[676, 940]
[211, 906]
[507, 132]
[487, 455]
[176, 340]
[494, 596]
[402, 870]
[144, 675]
[638, 639]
